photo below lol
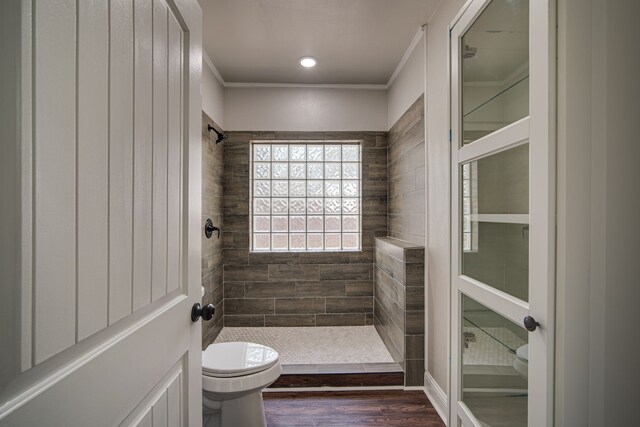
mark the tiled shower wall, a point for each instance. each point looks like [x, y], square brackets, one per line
[407, 175]
[399, 303]
[300, 289]
[211, 248]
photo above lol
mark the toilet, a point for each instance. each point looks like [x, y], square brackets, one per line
[521, 362]
[233, 376]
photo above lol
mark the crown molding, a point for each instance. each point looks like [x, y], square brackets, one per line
[407, 54]
[307, 85]
[213, 68]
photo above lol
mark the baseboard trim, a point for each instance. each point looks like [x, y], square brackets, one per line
[413, 388]
[437, 396]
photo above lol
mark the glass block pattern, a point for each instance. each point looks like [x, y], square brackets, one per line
[469, 207]
[306, 196]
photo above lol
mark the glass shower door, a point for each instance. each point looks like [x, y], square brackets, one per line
[502, 214]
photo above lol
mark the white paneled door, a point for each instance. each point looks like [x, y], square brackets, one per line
[106, 218]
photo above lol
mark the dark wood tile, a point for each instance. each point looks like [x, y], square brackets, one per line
[365, 256]
[269, 289]
[248, 321]
[326, 288]
[362, 288]
[350, 305]
[300, 305]
[290, 320]
[414, 297]
[388, 408]
[341, 319]
[414, 274]
[234, 289]
[257, 258]
[414, 372]
[325, 258]
[345, 272]
[415, 322]
[362, 379]
[414, 346]
[245, 273]
[248, 306]
[292, 273]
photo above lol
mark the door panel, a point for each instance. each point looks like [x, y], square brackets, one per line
[54, 190]
[115, 238]
[121, 127]
[492, 388]
[142, 164]
[93, 170]
[104, 386]
[502, 138]
[174, 169]
[160, 153]
[495, 69]
[495, 220]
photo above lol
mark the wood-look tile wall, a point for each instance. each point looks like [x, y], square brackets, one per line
[212, 203]
[399, 303]
[300, 289]
[407, 175]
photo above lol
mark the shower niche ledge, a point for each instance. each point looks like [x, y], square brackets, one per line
[399, 303]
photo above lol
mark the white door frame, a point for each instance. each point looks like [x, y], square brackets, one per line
[539, 130]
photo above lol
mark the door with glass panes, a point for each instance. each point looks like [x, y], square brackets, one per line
[502, 139]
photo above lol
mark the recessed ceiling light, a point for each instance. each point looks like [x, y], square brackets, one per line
[308, 61]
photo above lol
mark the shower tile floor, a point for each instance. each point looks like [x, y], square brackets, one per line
[331, 345]
[491, 346]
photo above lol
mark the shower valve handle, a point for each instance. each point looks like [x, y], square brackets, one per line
[206, 312]
[209, 229]
[530, 323]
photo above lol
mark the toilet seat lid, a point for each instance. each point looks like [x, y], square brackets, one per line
[234, 359]
[523, 352]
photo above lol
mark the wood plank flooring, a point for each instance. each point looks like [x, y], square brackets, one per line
[389, 408]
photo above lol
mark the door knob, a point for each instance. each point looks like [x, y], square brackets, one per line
[206, 312]
[530, 323]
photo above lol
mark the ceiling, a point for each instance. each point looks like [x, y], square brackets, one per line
[355, 41]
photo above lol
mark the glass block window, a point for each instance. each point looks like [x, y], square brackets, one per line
[306, 196]
[469, 207]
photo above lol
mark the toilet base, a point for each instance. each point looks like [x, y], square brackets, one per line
[246, 411]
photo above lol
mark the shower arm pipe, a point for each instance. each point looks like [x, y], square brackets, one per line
[221, 136]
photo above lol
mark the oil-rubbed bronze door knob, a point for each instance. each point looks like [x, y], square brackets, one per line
[530, 323]
[205, 312]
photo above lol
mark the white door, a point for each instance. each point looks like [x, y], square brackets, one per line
[108, 236]
[503, 229]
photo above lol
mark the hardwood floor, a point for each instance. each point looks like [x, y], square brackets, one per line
[387, 408]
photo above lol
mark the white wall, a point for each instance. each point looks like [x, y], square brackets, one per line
[598, 290]
[408, 85]
[438, 202]
[304, 109]
[212, 93]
